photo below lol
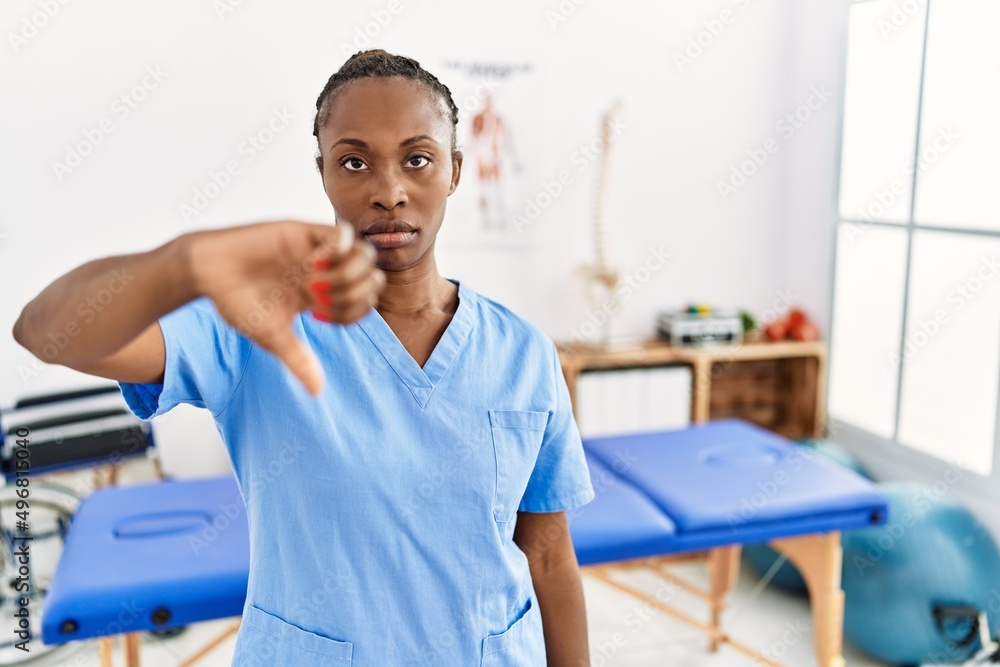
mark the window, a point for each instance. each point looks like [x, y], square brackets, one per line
[915, 339]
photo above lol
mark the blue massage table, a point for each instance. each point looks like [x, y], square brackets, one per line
[158, 556]
[713, 488]
[150, 557]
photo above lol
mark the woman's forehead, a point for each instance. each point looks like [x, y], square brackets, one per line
[386, 110]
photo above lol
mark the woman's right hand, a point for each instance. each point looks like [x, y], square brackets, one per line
[261, 276]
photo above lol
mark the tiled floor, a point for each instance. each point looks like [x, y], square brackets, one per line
[623, 633]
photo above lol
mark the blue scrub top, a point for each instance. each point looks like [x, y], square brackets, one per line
[382, 512]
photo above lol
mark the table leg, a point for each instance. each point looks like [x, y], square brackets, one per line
[723, 569]
[105, 651]
[701, 390]
[818, 559]
[133, 644]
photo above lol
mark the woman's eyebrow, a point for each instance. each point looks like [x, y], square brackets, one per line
[352, 142]
[406, 142]
[413, 140]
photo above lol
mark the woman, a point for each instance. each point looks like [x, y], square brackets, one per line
[406, 493]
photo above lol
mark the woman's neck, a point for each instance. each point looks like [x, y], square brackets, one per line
[417, 290]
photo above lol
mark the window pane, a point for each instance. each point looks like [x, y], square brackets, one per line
[951, 362]
[880, 113]
[867, 326]
[959, 162]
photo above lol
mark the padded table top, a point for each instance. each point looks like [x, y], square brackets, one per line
[729, 482]
[147, 556]
[619, 523]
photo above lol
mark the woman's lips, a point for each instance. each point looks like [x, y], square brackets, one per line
[386, 240]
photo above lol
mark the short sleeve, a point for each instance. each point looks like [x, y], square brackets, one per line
[560, 479]
[205, 361]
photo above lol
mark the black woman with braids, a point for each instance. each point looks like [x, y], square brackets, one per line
[404, 445]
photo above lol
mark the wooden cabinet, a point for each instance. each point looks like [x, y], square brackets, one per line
[778, 386]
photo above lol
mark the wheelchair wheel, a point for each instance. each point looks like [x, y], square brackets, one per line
[50, 511]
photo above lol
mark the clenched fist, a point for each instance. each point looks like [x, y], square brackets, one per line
[261, 276]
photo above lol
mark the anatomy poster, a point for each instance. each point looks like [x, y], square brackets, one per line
[501, 133]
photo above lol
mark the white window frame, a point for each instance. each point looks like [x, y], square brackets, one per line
[888, 457]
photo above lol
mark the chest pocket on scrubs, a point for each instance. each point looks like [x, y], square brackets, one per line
[517, 437]
[268, 641]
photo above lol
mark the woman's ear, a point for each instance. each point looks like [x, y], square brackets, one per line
[456, 170]
[319, 162]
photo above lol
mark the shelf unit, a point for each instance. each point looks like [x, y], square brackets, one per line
[777, 385]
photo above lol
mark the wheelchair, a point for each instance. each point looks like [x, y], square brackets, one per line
[39, 437]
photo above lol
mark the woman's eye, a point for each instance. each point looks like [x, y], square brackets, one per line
[354, 164]
[414, 161]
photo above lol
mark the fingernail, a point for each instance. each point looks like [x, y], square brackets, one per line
[321, 290]
[346, 239]
[320, 316]
[320, 264]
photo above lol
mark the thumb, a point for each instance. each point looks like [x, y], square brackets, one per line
[298, 358]
[331, 241]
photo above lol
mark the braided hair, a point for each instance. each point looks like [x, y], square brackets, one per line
[377, 63]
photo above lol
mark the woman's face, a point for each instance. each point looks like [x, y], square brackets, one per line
[387, 166]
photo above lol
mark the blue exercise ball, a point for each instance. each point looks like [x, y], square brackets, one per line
[838, 454]
[761, 557]
[915, 586]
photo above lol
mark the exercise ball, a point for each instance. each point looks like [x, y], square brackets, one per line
[915, 586]
[761, 557]
[835, 453]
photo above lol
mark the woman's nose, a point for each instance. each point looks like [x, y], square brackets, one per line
[389, 191]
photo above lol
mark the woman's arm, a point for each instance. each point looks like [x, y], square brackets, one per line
[101, 318]
[545, 540]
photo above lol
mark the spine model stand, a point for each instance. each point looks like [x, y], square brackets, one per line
[600, 280]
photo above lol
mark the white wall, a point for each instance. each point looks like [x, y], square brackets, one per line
[227, 71]
[686, 130]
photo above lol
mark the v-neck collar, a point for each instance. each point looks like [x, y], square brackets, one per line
[422, 381]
